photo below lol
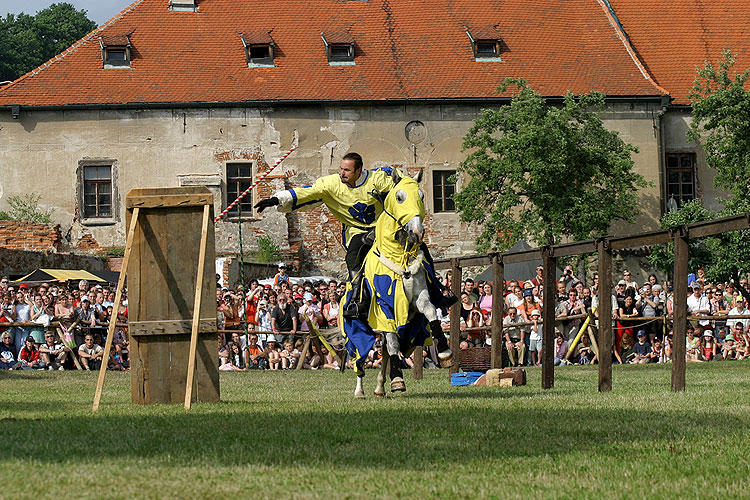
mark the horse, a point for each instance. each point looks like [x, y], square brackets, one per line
[402, 288]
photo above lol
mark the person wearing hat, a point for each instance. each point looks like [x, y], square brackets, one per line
[310, 310]
[28, 356]
[535, 337]
[273, 353]
[641, 349]
[739, 309]
[281, 276]
[698, 304]
[708, 346]
[729, 350]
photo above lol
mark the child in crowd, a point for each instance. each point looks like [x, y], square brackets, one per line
[729, 350]
[375, 357]
[328, 360]
[692, 346]
[273, 353]
[708, 346]
[641, 350]
[289, 356]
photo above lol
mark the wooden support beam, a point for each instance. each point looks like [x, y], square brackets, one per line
[455, 316]
[681, 256]
[498, 292]
[115, 308]
[197, 307]
[605, 315]
[548, 316]
[418, 368]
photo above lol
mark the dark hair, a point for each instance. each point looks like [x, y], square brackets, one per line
[356, 158]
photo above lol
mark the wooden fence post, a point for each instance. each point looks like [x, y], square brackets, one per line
[498, 293]
[605, 315]
[681, 256]
[548, 316]
[455, 315]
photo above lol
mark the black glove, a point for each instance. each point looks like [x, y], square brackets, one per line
[264, 204]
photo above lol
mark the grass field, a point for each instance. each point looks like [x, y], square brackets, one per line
[302, 435]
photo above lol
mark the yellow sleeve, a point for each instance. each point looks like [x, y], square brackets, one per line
[303, 198]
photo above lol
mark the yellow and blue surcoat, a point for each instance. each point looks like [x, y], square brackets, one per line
[357, 208]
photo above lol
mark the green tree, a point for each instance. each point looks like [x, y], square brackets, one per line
[542, 172]
[28, 41]
[721, 123]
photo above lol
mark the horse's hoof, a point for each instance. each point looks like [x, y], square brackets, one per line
[379, 394]
[398, 385]
[359, 395]
[446, 358]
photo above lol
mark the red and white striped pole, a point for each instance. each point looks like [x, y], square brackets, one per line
[295, 143]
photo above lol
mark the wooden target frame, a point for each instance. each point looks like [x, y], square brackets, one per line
[172, 338]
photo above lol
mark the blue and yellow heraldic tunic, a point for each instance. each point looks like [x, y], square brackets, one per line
[356, 207]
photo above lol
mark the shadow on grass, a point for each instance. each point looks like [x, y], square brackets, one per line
[227, 435]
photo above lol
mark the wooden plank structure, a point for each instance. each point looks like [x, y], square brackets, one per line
[172, 348]
[605, 246]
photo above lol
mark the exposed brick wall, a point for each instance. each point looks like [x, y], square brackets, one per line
[20, 235]
[114, 264]
[20, 262]
[88, 242]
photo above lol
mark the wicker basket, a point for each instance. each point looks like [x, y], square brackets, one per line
[475, 359]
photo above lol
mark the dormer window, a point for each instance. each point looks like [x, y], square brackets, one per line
[485, 43]
[258, 49]
[183, 5]
[339, 47]
[115, 51]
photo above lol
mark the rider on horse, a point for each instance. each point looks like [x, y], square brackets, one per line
[354, 196]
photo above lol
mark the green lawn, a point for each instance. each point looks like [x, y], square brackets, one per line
[303, 435]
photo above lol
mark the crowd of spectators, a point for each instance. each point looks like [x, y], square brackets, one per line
[80, 315]
[276, 317]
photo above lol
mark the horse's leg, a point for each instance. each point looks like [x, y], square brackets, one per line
[359, 391]
[422, 303]
[380, 385]
[397, 376]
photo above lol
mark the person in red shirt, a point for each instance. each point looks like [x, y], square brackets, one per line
[28, 356]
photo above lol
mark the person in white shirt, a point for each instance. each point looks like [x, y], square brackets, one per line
[739, 309]
[698, 304]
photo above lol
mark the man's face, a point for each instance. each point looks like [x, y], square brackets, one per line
[6, 339]
[282, 299]
[539, 271]
[49, 338]
[348, 173]
[560, 287]
[697, 292]
[89, 341]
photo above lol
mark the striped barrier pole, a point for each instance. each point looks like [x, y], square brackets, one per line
[263, 176]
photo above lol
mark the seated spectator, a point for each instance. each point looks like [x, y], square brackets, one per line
[7, 356]
[375, 356]
[561, 349]
[584, 353]
[641, 349]
[328, 360]
[476, 320]
[28, 357]
[91, 354]
[708, 346]
[667, 351]
[692, 346]
[729, 350]
[289, 355]
[256, 354]
[273, 353]
[236, 357]
[742, 349]
[53, 353]
[114, 361]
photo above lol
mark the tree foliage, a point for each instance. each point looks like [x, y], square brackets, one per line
[26, 208]
[542, 172]
[27, 41]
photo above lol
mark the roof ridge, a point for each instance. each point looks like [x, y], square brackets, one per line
[620, 31]
[75, 46]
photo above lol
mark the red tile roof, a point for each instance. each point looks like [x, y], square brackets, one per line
[674, 38]
[414, 49]
[112, 40]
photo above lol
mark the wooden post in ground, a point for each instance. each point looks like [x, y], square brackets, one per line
[605, 315]
[498, 292]
[303, 353]
[116, 307]
[548, 317]
[418, 368]
[681, 255]
[455, 315]
[197, 307]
